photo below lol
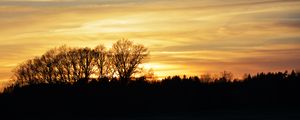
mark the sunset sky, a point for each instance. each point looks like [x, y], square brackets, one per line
[184, 36]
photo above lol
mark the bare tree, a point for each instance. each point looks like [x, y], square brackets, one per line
[206, 78]
[101, 61]
[85, 62]
[20, 74]
[73, 59]
[69, 65]
[149, 75]
[226, 76]
[126, 57]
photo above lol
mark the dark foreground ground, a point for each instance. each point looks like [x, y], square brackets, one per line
[262, 97]
[223, 114]
[136, 104]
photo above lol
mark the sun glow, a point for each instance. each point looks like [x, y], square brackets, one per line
[162, 70]
[148, 66]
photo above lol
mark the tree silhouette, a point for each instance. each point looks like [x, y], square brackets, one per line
[69, 80]
[226, 76]
[273, 90]
[85, 63]
[126, 57]
[85, 78]
[103, 62]
[70, 65]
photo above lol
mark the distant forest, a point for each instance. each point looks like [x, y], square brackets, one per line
[85, 81]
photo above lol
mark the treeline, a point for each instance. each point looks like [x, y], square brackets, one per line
[75, 82]
[104, 96]
[98, 82]
[115, 67]
[70, 65]
[260, 81]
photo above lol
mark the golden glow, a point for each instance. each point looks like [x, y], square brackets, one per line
[185, 37]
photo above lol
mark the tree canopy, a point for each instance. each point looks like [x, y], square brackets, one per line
[69, 65]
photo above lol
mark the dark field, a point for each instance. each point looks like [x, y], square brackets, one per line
[266, 97]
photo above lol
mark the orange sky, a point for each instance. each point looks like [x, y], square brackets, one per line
[184, 36]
